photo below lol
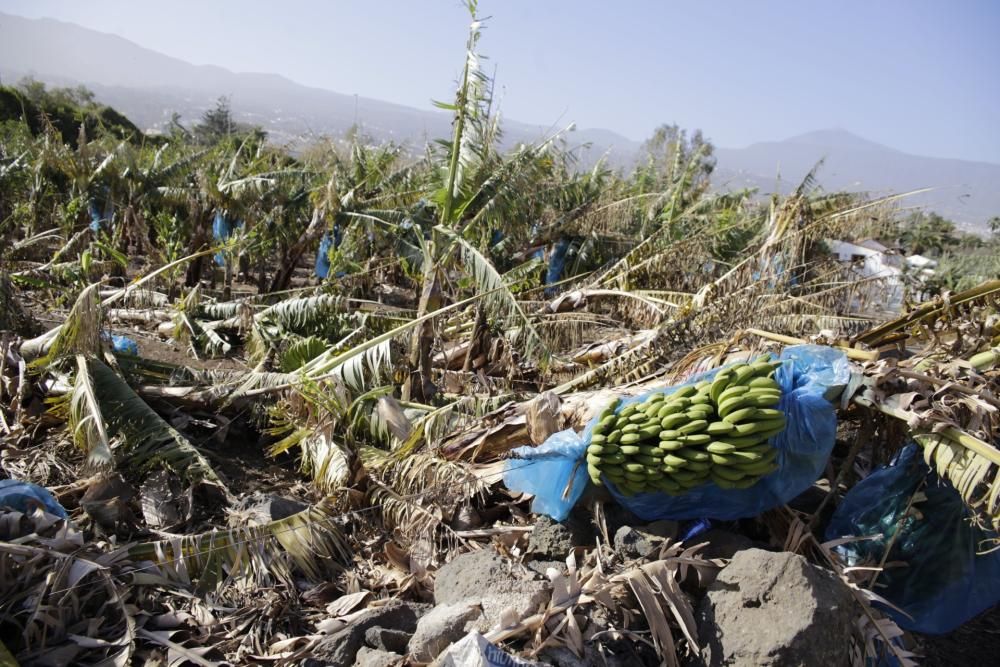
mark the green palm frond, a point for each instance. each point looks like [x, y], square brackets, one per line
[501, 302]
[301, 352]
[142, 440]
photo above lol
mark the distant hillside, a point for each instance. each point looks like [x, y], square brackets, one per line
[148, 86]
[964, 191]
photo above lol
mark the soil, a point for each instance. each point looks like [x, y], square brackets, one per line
[975, 643]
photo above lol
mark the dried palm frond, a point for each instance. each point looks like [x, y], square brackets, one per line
[421, 494]
[325, 461]
[941, 307]
[955, 425]
[86, 420]
[79, 334]
[58, 607]
[310, 540]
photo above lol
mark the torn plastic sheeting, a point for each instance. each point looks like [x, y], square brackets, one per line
[474, 650]
[806, 375]
[941, 578]
[23, 496]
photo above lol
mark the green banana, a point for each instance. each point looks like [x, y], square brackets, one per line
[675, 461]
[695, 439]
[719, 384]
[732, 474]
[720, 428]
[695, 426]
[739, 416]
[670, 421]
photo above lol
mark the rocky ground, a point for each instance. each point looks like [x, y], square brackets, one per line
[756, 606]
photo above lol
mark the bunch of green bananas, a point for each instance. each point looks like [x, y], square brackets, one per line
[714, 431]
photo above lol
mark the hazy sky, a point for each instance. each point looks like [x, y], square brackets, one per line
[920, 76]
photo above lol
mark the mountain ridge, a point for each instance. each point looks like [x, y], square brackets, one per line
[148, 86]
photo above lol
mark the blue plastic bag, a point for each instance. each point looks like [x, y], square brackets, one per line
[21, 496]
[557, 261]
[945, 581]
[124, 344]
[222, 229]
[322, 269]
[97, 219]
[806, 376]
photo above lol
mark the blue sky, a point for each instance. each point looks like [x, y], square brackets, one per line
[920, 76]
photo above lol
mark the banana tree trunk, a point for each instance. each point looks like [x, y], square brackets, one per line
[418, 386]
[291, 258]
[200, 240]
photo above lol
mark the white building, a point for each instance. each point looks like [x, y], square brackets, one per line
[872, 261]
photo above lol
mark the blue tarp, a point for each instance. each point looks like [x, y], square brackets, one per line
[806, 374]
[937, 574]
[22, 496]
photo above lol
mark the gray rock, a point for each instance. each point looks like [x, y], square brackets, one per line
[636, 542]
[722, 543]
[549, 538]
[258, 509]
[776, 609]
[341, 648]
[439, 628]
[595, 656]
[540, 567]
[388, 639]
[373, 657]
[483, 577]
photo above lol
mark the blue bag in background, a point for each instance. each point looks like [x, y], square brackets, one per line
[807, 376]
[557, 261]
[124, 344]
[322, 269]
[946, 581]
[222, 229]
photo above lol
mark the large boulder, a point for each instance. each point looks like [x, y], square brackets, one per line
[776, 609]
[485, 578]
